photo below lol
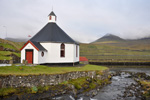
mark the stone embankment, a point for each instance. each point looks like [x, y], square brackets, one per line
[44, 80]
[51, 86]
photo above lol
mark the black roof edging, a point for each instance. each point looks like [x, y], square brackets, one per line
[52, 13]
[39, 46]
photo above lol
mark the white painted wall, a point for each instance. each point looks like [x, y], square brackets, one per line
[41, 60]
[35, 53]
[76, 58]
[53, 53]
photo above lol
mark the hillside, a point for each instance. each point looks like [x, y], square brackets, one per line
[109, 38]
[114, 49]
[9, 51]
[16, 39]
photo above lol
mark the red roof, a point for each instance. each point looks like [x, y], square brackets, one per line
[83, 59]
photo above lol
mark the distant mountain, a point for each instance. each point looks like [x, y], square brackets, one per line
[146, 38]
[109, 38]
[16, 39]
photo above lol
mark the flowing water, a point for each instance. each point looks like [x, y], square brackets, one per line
[115, 90]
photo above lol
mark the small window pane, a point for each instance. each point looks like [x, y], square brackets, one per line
[42, 53]
[62, 50]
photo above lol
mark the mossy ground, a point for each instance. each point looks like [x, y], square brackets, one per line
[4, 92]
[41, 69]
[85, 84]
[5, 55]
[146, 87]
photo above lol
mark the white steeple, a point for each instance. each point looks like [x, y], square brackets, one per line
[52, 17]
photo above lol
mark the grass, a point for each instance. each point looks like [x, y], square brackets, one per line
[5, 45]
[6, 55]
[86, 83]
[78, 83]
[41, 69]
[11, 45]
[7, 91]
[146, 86]
[5, 58]
[17, 54]
[116, 52]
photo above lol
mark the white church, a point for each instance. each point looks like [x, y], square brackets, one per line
[51, 45]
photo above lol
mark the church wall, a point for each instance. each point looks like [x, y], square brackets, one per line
[53, 53]
[76, 58]
[35, 53]
[42, 59]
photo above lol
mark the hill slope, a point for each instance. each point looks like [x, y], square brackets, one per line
[9, 51]
[109, 38]
[114, 49]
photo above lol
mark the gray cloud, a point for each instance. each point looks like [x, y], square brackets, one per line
[83, 20]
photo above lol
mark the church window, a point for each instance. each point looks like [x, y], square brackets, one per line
[42, 53]
[62, 50]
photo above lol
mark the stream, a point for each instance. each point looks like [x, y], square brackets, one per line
[121, 88]
[116, 90]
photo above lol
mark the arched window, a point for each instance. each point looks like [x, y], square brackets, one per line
[62, 50]
[42, 53]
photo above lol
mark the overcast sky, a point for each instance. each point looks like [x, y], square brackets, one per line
[83, 20]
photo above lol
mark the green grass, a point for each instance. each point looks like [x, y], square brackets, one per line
[5, 58]
[146, 87]
[78, 83]
[6, 45]
[41, 69]
[6, 55]
[11, 45]
[116, 52]
[87, 83]
[7, 91]
[17, 54]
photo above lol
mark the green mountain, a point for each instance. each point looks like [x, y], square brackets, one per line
[114, 49]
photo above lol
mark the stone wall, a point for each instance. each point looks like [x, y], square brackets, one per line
[43, 80]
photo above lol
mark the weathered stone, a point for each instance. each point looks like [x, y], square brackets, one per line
[42, 80]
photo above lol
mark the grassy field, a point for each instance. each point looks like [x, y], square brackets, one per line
[13, 48]
[41, 69]
[11, 45]
[128, 51]
[5, 55]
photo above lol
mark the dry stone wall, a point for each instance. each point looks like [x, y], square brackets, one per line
[44, 80]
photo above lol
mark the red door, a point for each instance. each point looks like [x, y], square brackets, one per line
[29, 56]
